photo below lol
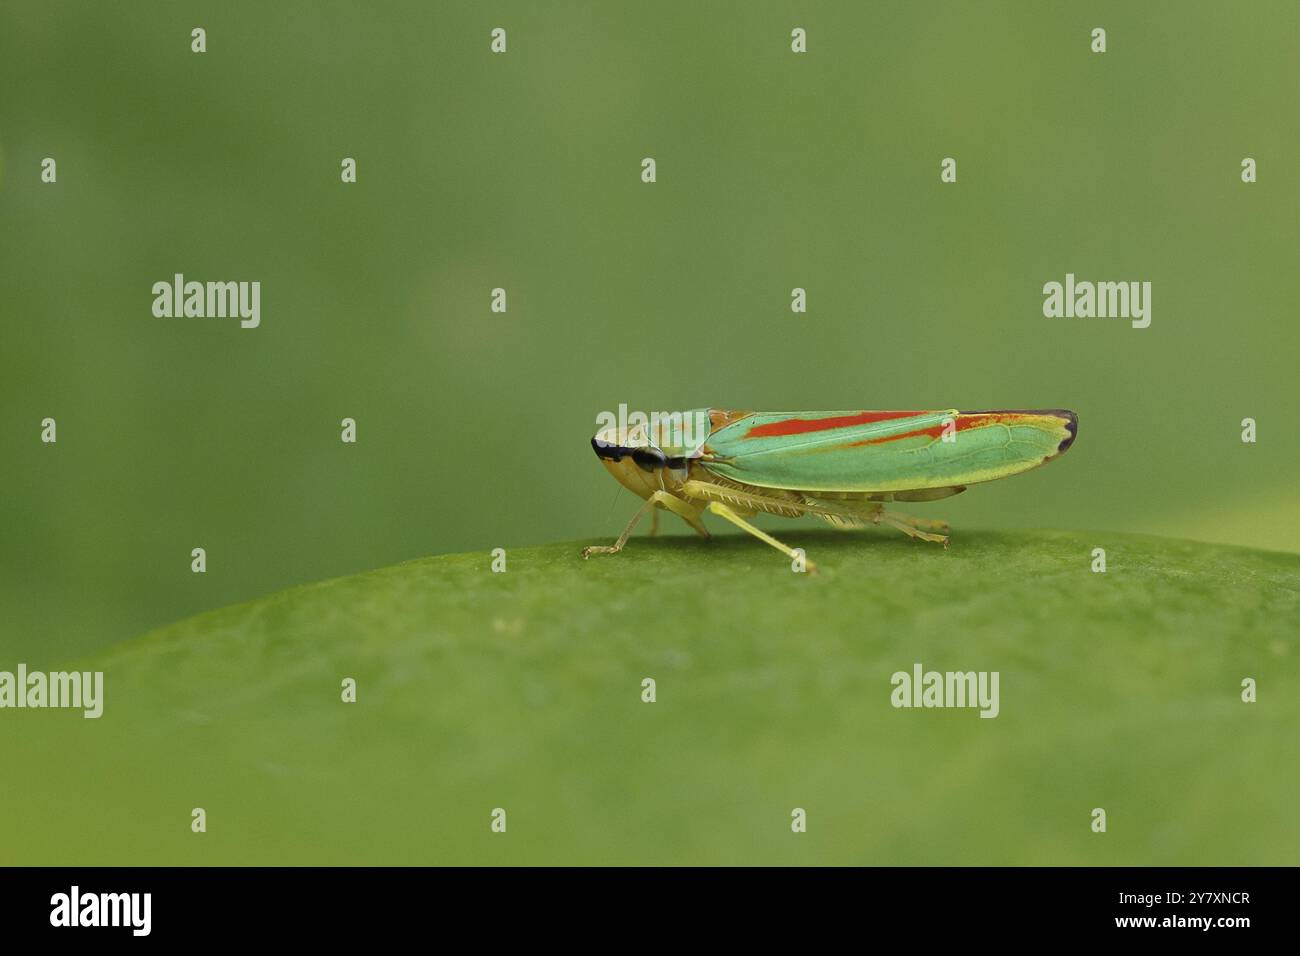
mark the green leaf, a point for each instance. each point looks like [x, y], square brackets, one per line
[522, 690]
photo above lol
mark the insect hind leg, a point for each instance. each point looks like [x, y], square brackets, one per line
[923, 528]
[718, 508]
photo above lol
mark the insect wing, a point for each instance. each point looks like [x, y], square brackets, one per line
[884, 451]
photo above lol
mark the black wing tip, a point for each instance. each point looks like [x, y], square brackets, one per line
[1071, 421]
[1071, 426]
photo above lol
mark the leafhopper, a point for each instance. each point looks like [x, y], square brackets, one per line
[843, 467]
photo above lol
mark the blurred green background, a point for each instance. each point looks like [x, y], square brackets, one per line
[521, 171]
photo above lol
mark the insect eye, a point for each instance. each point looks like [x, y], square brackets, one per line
[648, 459]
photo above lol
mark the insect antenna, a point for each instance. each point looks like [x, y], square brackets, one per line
[614, 501]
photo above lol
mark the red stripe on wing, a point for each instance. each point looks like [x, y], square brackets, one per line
[801, 426]
[963, 422]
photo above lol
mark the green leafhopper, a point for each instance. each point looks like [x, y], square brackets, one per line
[840, 466]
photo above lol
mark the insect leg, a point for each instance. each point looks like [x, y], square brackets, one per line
[658, 499]
[914, 527]
[687, 511]
[723, 511]
[744, 499]
[922, 524]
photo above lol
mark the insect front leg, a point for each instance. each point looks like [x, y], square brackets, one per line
[724, 512]
[661, 499]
